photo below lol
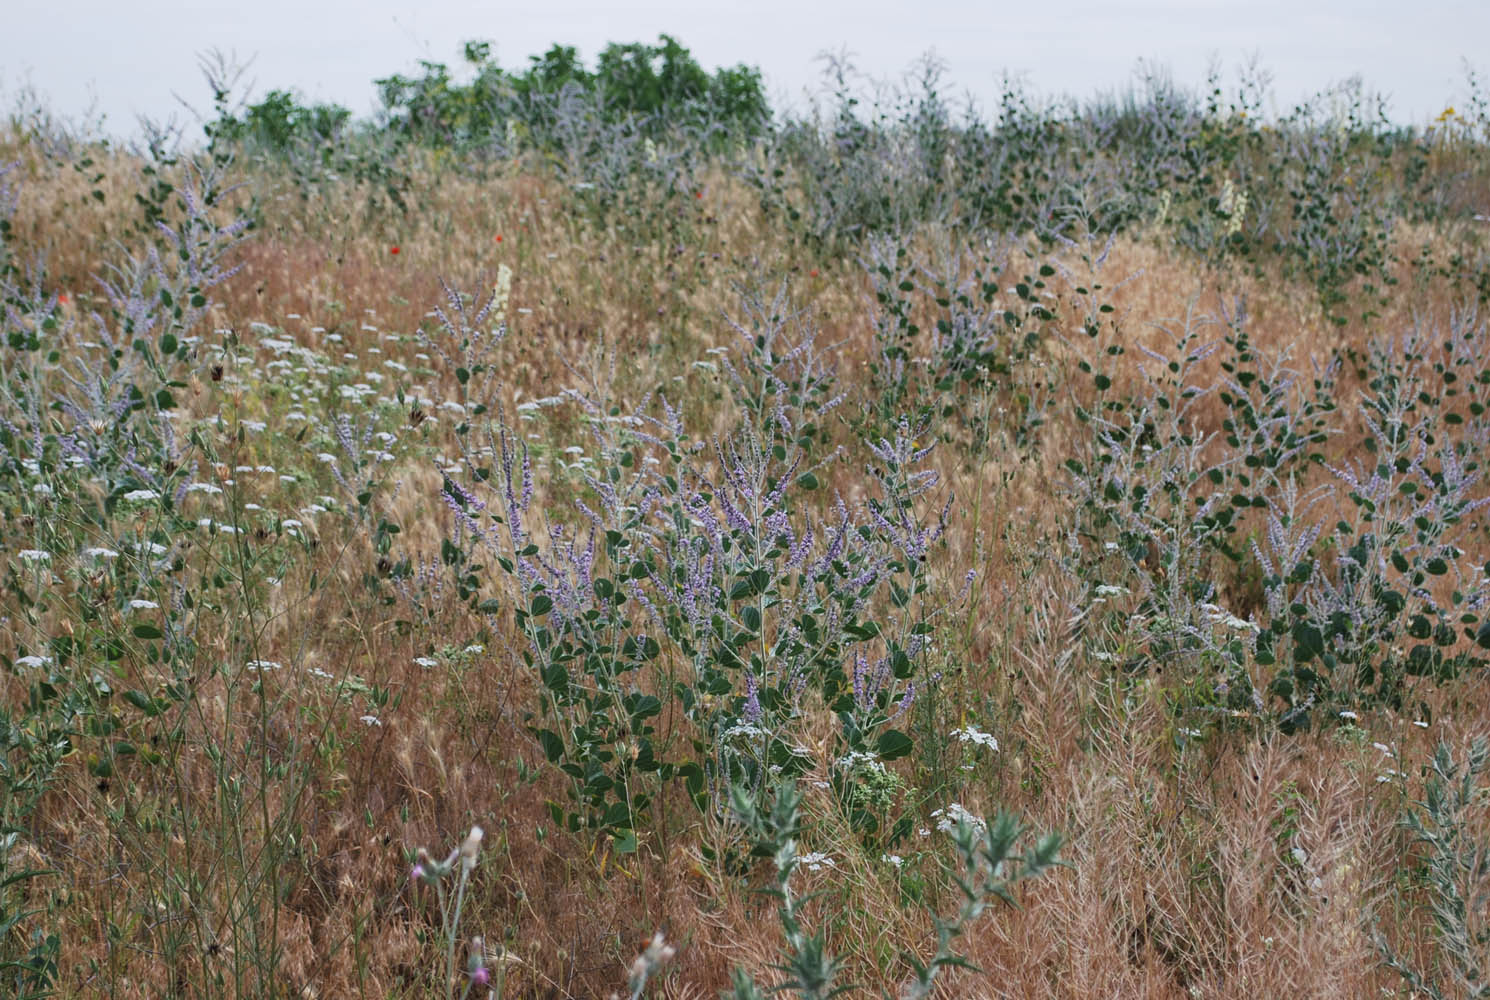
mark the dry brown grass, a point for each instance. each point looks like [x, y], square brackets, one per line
[1184, 880]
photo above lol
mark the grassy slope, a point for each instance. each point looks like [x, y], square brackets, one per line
[1184, 878]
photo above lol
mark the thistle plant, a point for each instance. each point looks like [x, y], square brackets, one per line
[656, 954]
[459, 864]
[988, 868]
[809, 970]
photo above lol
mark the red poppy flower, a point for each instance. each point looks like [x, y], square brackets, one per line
[62, 300]
[499, 237]
[698, 194]
[393, 250]
[812, 273]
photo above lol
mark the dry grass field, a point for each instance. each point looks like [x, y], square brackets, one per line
[506, 511]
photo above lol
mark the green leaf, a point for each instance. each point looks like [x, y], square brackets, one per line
[1308, 642]
[892, 743]
[553, 747]
[693, 777]
[618, 816]
[143, 702]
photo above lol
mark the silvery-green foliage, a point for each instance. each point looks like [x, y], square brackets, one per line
[695, 579]
[1457, 876]
[1401, 597]
[958, 338]
[1164, 497]
[780, 374]
[95, 476]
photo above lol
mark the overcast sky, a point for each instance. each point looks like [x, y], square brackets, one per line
[123, 58]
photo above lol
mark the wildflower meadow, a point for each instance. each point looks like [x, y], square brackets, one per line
[583, 532]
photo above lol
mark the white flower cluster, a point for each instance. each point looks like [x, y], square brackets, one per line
[1233, 203]
[1225, 619]
[977, 737]
[948, 818]
[816, 861]
[856, 759]
[502, 292]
